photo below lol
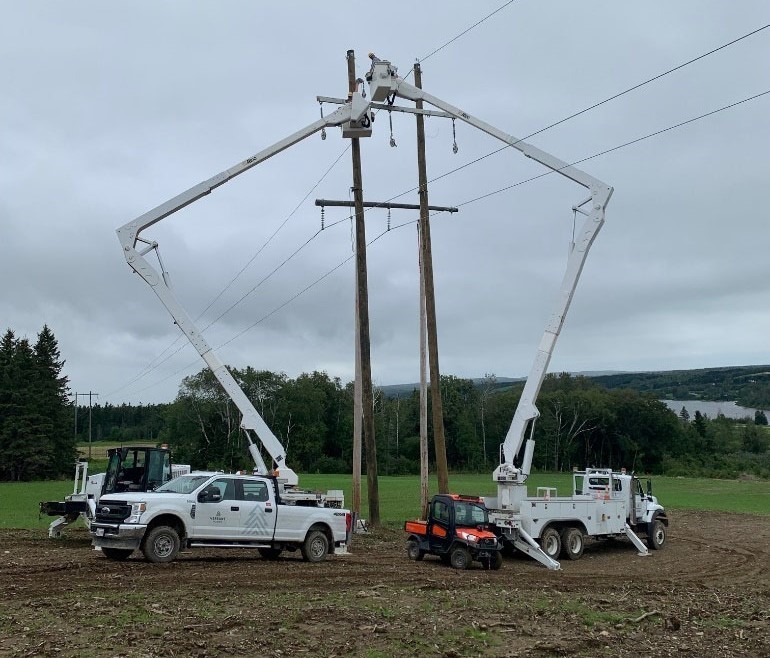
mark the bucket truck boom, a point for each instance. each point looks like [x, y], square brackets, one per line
[604, 503]
[354, 119]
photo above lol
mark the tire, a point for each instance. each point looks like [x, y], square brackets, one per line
[572, 543]
[550, 542]
[494, 562]
[269, 553]
[413, 550]
[315, 547]
[161, 544]
[460, 557]
[656, 536]
[117, 554]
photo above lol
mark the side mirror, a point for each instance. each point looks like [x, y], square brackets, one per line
[649, 487]
[209, 496]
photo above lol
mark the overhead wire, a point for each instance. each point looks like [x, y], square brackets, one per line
[157, 361]
[479, 159]
[465, 203]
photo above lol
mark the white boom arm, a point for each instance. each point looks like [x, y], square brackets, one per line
[385, 85]
[160, 283]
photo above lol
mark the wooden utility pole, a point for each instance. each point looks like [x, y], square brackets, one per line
[442, 470]
[424, 492]
[357, 413]
[367, 401]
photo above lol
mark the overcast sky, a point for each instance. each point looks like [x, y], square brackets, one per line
[109, 109]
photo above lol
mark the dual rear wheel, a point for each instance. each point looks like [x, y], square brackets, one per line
[569, 543]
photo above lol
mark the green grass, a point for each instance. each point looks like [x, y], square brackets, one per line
[400, 496]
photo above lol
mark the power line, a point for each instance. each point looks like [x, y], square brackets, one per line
[617, 148]
[590, 107]
[464, 32]
[465, 203]
[155, 362]
[479, 159]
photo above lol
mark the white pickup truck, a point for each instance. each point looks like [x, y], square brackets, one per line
[205, 509]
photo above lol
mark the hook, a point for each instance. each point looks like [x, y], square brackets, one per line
[323, 130]
[455, 148]
[392, 140]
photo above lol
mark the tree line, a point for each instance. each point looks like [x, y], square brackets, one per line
[581, 424]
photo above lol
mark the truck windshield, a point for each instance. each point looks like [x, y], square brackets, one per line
[184, 484]
[470, 514]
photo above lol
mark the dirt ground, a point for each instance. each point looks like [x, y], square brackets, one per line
[707, 593]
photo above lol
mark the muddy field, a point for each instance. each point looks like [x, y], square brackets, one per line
[707, 593]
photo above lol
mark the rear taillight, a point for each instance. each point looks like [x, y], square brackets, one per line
[348, 522]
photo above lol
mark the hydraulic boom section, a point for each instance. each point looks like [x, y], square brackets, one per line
[386, 85]
[349, 117]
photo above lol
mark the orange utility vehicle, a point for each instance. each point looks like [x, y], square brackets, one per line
[457, 530]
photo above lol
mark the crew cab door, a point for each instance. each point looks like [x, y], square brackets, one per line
[218, 510]
[258, 509]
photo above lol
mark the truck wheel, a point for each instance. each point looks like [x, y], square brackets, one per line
[270, 553]
[494, 562]
[161, 544]
[413, 550]
[315, 546]
[656, 536]
[550, 542]
[572, 543]
[118, 554]
[460, 557]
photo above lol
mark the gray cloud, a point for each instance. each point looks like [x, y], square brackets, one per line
[108, 111]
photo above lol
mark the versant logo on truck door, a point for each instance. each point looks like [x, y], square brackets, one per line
[218, 518]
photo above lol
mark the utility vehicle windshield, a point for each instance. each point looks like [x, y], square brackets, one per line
[184, 484]
[470, 514]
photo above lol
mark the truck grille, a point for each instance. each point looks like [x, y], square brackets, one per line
[488, 543]
[112, 512]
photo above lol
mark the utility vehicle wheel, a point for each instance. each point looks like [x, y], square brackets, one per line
[269, 553]
[315, 547]
[460, 557]
[116, 553]
[550, 542]
[494, 562]
[657, 535]
[572, 543]
[161, 544]
[413, 550]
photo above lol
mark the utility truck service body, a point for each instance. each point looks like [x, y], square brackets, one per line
[206, 509]
[603, 504]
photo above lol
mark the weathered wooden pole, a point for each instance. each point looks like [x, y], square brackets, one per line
[442, 470]
[367, 401]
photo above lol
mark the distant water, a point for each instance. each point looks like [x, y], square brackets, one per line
[710, 408]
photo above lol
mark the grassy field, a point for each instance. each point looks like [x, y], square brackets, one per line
[400, 496]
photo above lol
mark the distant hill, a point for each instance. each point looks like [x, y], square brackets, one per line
[747, 385]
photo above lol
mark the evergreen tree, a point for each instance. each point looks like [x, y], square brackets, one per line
[760, 418]
[35, 441]
[50, 396]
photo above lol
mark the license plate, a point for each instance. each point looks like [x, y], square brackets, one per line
[100, 532]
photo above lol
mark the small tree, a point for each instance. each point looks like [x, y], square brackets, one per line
[760, 418]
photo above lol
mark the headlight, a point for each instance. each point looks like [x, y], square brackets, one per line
[136, 512]
[469, 536]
